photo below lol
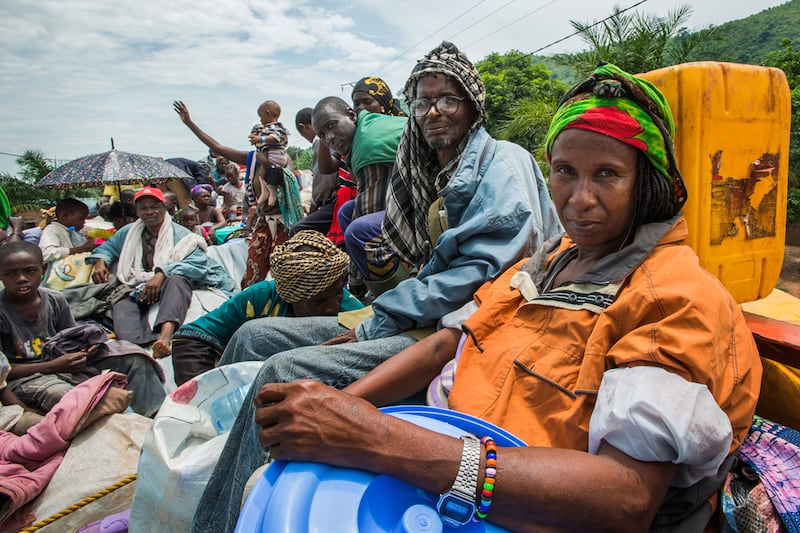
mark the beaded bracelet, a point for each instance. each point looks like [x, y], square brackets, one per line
[489, 478]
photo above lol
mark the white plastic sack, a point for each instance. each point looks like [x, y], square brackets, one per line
[181, 449]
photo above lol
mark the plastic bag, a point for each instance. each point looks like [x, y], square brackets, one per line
[181, 450]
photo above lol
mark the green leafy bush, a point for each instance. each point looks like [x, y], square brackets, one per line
[793, 205]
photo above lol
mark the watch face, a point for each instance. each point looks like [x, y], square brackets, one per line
[456, 509]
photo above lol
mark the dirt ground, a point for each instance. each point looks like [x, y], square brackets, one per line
[789, 280]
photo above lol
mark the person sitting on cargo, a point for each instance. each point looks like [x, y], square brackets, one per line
[627, 368]
[308, 280]
[31, 315]
[161, 262]
[498, 211]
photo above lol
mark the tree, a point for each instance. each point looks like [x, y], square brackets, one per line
[788, 59]
[301, 158]
[529, 124]
[636, 42]
[520, 97]
[21, 191]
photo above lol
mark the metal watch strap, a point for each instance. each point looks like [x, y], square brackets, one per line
[466, 483]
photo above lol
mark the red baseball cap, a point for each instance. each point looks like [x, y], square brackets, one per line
[149, 191]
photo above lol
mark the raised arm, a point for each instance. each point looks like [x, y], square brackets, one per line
[232, 154]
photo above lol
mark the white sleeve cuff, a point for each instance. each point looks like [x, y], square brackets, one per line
[654, 415]
[455, 319]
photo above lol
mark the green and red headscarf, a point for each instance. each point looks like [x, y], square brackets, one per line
[626, 108]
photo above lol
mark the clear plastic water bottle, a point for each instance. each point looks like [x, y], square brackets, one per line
[225, 408]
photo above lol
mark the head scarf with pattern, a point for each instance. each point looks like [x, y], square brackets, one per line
[414, 185]
[197, 190]
[306, 265]
[626, 108]
[380, 91]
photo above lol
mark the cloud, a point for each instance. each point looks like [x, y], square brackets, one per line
[74, 73]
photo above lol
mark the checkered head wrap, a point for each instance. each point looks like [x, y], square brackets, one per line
[414, 186]
[306, 265]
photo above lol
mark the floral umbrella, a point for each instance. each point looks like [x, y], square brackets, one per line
[110, 168]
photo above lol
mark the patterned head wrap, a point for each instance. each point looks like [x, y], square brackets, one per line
[380, 91]
[628, 109]
[414, 186]
[197, 189]
[301, 273]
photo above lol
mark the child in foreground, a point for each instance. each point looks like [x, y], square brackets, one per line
[30, 315]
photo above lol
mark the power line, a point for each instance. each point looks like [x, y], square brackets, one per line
[403, 54]
[590, 26]
[451, 37]
[512, 23]
[482, 20]
[640, 2]
[411, 48]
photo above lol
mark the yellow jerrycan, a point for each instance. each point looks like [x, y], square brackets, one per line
[732, 145]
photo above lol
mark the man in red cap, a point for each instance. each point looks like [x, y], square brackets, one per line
[159, 261]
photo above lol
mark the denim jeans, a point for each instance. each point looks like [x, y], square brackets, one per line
[290, 350]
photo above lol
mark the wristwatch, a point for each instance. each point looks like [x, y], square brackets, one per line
[457, 506]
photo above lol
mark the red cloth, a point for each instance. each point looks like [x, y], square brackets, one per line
[343, 194]
[347, 191]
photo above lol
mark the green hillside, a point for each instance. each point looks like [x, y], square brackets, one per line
[750, 39]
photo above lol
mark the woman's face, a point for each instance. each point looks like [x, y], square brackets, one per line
[203, 199]
[592, 178]
[364, 100]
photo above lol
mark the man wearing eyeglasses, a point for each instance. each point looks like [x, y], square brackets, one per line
[461, 207]
[488, 206]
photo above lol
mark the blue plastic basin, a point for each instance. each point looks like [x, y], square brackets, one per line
[298, 497]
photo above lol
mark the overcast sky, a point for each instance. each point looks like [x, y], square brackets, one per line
[73, 74]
